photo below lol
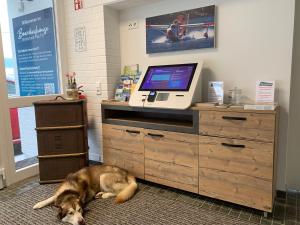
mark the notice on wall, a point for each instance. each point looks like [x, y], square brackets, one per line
[35, 45]
[80, 39]
[216, 91]
[265, 91]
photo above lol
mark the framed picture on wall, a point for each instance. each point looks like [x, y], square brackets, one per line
[185, 30]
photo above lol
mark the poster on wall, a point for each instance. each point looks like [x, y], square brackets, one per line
[80, 39]
[185, 30]
[35, 45]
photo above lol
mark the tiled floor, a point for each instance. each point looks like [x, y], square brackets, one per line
[286, 209]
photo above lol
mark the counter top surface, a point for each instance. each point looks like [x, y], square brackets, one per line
[204, 107]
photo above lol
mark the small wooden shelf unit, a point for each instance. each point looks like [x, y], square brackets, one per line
[224, 153]
[61, 127]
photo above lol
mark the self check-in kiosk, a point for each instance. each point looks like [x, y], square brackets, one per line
[174, 86]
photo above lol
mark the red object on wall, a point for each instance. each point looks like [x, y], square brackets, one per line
[78, 4]
[14, 119]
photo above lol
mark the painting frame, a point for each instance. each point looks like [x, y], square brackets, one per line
[184, 30]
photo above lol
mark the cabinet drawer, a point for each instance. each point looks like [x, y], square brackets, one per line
[172, 159]
[57, 115]
[56, 169]
[127, 139]
[237, 156]
[236, 188]
[52, 142]
[254, 126]
[133, 163]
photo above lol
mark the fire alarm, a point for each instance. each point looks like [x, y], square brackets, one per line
[78, 4]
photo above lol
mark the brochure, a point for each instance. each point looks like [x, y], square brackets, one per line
[265, 91]
[216, 91]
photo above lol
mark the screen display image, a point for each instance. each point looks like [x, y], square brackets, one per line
[168, 78]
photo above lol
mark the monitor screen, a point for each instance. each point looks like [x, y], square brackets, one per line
[168, 77]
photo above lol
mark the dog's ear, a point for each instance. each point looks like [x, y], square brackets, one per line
[61, 213]
[65, 195]
[58, 201]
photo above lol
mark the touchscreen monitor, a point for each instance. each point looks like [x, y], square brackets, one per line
[168, 77]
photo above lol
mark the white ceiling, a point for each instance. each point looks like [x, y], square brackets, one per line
[125, 4]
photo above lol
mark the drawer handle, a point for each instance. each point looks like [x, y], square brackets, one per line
[156, 135]
[233, 118]
[233, 145]
[133, 131]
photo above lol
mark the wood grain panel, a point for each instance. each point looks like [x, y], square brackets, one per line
[169, 183]
[127, 139]
[176, 148]
[177, 176]
[243, 157]
[133, 163]
[236, 188]
[253, 126]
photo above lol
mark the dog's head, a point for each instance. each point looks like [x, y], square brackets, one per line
[70, 208]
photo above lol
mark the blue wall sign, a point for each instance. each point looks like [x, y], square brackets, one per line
[35, 45]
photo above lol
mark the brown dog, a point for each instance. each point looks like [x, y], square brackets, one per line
[86, 184]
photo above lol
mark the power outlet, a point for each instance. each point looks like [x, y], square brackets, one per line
[133, 25]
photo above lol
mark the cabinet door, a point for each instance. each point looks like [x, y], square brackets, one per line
[238, 171]
[172, 159]
[124, 147]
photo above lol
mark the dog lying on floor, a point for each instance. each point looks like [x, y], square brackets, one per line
[86, 184]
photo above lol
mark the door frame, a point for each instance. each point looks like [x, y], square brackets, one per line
[7, 159]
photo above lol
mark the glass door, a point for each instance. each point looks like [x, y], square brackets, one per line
[29, 72]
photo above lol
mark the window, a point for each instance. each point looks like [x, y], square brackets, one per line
[30, 52]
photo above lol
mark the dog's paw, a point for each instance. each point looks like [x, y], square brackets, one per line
[38, 205]
[99, 195]
[108, 195]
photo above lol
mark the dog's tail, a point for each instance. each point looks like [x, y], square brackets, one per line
[44, 203]
[127, 192]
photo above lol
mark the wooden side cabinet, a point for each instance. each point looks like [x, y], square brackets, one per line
[228, 154]
[61, 128]
[237, 156]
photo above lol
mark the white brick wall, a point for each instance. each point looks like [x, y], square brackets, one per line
[90, 66]
[112, 44]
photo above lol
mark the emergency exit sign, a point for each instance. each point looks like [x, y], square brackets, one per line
[78, 4]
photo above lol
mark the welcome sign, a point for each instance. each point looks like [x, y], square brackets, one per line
[35, 45]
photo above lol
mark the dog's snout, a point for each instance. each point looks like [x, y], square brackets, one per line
[81, 222]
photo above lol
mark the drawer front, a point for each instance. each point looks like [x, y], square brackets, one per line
[59, 115]
[236, 188]
[53, 169]
[127, 139]
[237, 156]
[54, 142]
[172, 175]
[133, 163]
[124, 147]
[172, 159]
[254, 126]
[170, 147]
